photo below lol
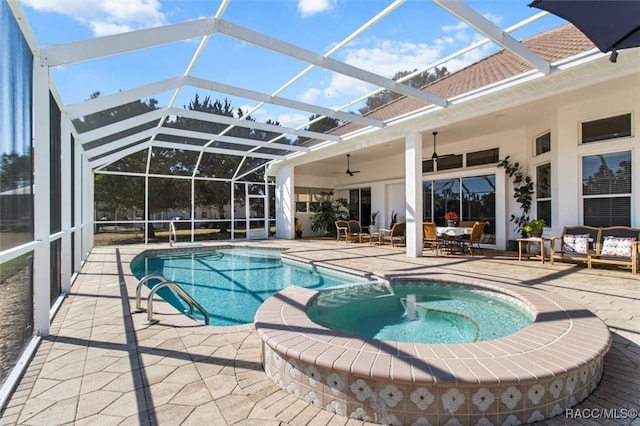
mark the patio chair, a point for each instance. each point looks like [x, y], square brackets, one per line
[354, 232]
[395, 235]
[342, 230]
[430, 237]
[488, 235]
[475, 237]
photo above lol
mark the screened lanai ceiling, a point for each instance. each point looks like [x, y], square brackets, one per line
[258, 82]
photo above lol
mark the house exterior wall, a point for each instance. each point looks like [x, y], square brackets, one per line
[514, 135]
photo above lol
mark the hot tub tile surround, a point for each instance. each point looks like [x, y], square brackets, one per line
[536, 373]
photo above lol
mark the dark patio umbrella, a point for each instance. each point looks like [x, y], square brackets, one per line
[610, 24]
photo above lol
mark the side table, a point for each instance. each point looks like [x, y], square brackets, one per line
[528, 241]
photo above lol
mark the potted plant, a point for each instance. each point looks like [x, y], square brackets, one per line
[329, 210]
[522, 192]
[298, 225]
[372, 226]
[452, 218]
[534, 227]
[394, 219]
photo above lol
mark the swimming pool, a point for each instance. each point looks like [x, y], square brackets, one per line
[421, 312]
[231, 283]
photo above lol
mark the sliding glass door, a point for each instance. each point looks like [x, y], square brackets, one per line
[472, 197]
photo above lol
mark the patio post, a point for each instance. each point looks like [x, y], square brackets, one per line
[413, 193]
[66, 186]
[285, 206]
[41, 204]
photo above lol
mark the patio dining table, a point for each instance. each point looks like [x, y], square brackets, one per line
[450, 235]
[453, 231]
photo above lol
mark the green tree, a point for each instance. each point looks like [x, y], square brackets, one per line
[320, 126]
[115, 193]
[15, 171]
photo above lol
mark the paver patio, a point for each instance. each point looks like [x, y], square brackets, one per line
[101, 365]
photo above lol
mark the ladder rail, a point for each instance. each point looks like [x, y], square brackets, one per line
[172, 233]
[180, 292]
[142, 281]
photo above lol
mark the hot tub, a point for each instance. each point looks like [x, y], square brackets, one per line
[535, 373]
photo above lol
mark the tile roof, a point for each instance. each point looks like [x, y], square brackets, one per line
[552, 45]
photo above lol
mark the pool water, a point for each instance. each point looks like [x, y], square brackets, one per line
[231, 283]
[424, 313]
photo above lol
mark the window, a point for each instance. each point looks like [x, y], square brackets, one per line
[302, 202]
[427, 166]
[606, 189]
[543, 193]
[450, 162]
[454, 161]
[543, 143]
[473, 198]
[308, 199]
[487, 156]
[606, 128]
[360, 205]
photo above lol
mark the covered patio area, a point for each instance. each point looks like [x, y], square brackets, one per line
[101, 365]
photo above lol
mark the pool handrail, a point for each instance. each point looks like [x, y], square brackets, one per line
[180, 292]
[172, 232]
[142, 281]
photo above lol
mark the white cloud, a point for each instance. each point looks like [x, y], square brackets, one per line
[292, 120]
[385, 58]
[313, 7]
[493, 18]
[461, 31]
[106, 17]
[460, 26]
[310, 95]
[286, 119]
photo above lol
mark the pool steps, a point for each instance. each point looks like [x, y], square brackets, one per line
[164, 283]
[338, 295]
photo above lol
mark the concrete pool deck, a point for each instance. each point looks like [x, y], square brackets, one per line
[102, 365]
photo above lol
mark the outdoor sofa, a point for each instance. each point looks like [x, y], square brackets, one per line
[613, 245]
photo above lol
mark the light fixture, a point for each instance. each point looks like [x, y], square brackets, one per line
[434, 156]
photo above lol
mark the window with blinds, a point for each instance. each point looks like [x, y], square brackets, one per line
[607, 189]
[606, 128]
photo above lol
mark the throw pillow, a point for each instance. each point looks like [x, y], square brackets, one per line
[617, 246]
[576, 244]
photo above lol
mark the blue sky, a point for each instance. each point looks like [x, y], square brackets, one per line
[414, 35]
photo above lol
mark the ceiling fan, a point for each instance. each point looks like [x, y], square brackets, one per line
[435, 155]
[349, 171]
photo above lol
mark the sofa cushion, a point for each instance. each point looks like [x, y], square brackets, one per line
[617, 246]
[575, 244]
